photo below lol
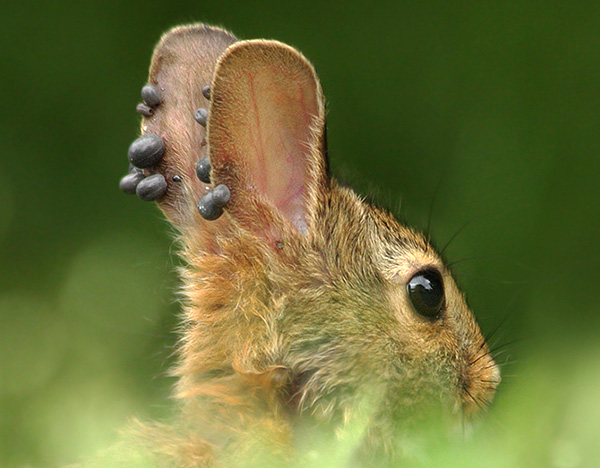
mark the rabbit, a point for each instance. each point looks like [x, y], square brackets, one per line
[307, 311]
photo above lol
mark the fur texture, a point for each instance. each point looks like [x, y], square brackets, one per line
[297, 317]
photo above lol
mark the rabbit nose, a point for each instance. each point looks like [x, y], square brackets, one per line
[479, 384]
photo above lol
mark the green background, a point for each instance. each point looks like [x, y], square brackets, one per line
[496, 103]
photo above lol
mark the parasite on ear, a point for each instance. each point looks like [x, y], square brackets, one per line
[146, 151]
[144, 110]
[129, 183]
[206, 91]
[152, 187]
[151, 96]
[203, 170]
[201, 115]
[211, 204]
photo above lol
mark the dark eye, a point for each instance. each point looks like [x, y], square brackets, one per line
[426, 293]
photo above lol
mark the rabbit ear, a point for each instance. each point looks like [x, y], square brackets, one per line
[266, 133]
[182, 66]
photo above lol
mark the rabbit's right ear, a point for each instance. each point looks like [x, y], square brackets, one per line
[266, 135]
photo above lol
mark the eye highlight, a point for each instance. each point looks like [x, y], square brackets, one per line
[426, 292]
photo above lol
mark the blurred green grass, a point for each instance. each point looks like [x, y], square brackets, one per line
[497, 100]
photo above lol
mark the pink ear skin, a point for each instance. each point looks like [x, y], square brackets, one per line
[265, 133]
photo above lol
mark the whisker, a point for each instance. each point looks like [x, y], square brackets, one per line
[454, 236]
[486, 403]
[456, 262]
[481, 356]
[490, 366]
[509, 362]
[507, 314]
[478, 350]
[497, 355]
[473, 399]
[493, 352]
[504, 345]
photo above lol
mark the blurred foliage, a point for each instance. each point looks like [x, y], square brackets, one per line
[497, 102]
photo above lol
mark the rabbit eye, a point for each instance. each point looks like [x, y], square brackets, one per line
[426, 293]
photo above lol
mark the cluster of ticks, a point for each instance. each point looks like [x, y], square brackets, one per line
[148, 150]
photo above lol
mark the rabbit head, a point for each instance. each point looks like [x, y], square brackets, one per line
[301, 298]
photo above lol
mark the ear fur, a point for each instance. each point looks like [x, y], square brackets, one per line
[266, 136]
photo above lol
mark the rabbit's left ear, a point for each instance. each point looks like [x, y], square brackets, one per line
[173, 142]
[266, 135]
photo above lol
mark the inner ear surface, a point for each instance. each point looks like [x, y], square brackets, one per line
[266, 112]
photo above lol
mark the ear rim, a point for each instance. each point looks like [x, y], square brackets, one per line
[317, 166]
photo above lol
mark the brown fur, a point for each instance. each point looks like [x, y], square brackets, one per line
[295, 314]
